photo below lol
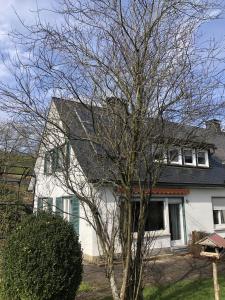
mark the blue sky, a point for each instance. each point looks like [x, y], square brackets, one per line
[9, 21]
[25, 9]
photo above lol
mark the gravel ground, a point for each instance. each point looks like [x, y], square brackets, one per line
[164, 271]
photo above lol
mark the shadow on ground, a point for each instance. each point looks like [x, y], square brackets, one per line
[182, 277]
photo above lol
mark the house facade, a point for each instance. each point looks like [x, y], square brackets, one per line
[189, 196]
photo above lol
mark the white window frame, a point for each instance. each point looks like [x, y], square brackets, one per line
[218, 204]
[160, 232]
[193, 157]
[45, 203]
[206, 164]
[66, 208]
[179, 162]
[220, 224]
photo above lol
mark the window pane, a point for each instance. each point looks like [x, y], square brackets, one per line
[155, 218]
[48, 163]
[216, 217]
[53, 154]
[135, 215]
[201, 158]
[49, 202]
[59, 206]
[222, 214]
[40, 204]
[59, 159]
[159, 155]
[188, 156]
[174, 155]
[67, 209]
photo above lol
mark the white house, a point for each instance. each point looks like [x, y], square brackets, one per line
[190, 194]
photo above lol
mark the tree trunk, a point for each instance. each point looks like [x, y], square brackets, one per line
[113, 285]
[215, 280]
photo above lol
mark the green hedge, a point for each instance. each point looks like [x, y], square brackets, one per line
[42, 260]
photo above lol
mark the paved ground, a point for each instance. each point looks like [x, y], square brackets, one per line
[158, 272]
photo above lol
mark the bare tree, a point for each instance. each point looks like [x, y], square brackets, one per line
[144, 82]
[16, 162]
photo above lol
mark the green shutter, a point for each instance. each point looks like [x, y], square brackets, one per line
[75, 213]
[54, 154]
[59, 206]
[67, 155]
[40, 204]
[46, 162]
[49, 202]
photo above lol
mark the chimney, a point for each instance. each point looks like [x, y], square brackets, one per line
[213, 125]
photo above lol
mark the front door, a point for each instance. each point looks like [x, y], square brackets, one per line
[176, 222]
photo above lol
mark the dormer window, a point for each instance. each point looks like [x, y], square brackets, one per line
[202, 158]
[175, 156]
[189, 157]
[181, 156]
[159, 154]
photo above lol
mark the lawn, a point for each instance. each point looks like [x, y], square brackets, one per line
[183, 290]
[186, 290]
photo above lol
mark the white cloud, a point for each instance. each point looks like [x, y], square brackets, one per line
[9, 12]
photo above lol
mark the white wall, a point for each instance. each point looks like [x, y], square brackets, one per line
[46, 187]
[197, 204]
[198, 210]
[54, 186]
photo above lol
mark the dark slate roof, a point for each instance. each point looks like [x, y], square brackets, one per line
[78, 121]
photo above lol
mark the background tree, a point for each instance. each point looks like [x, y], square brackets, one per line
[140, 63]
[16, 163]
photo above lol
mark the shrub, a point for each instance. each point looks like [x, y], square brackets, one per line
[11, 216]
[42, 260]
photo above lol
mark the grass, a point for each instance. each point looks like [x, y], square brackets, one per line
[85, 287]
[183, 290]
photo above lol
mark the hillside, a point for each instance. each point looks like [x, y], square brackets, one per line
[15, 174]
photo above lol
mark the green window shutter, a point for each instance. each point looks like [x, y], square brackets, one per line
[75, 213]
[67, 155]
[40, 204]
[49, 204]
[46, 162]
[59, 206]
[54, 160]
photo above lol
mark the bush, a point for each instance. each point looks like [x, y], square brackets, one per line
[42, 260]
[11, 216]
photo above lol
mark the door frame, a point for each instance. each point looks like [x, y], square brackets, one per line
[180, 201]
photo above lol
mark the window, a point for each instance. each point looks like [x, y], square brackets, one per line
[45, 203]
[219, 216]
[216, 216]
[159, 154]
[60, 157]
[155, 216]
[56, 159]
[189, 157]
[48, 163]
[218, 211]
[202, 158]
[68, 208]
[174, 156]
